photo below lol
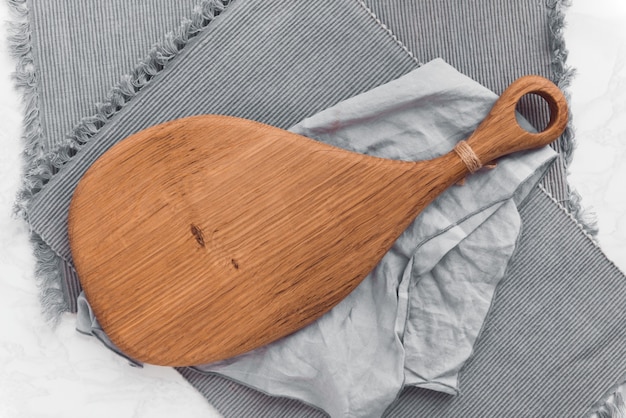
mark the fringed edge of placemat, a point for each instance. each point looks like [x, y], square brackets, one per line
[40, 166]
[130, 84]
[26, 78]
[613, 407]
[562, 75]
[613, 404]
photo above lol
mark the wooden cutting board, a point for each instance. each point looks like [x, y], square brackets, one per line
[206, 237]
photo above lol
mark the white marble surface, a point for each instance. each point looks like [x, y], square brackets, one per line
[48, 372]
[596, 38]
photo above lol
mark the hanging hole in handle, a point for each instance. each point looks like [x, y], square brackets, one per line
[535, 109]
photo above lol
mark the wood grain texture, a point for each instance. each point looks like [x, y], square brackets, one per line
[206, 237]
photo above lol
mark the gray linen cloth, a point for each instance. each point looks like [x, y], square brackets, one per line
[416, 316]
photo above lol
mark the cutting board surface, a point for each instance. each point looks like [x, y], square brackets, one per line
[206, 237]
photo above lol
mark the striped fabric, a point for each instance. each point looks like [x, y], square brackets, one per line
[481, 41]
[238, 401]
[95, 45]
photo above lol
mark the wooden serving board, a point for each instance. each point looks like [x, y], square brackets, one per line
[206, 237]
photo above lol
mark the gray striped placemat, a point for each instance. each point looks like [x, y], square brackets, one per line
[94, 49]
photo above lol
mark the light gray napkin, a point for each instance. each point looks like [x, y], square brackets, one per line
[415, 318]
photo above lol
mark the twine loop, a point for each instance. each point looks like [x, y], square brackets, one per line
[468, 156]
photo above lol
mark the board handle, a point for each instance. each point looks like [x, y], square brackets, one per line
[500, 134]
